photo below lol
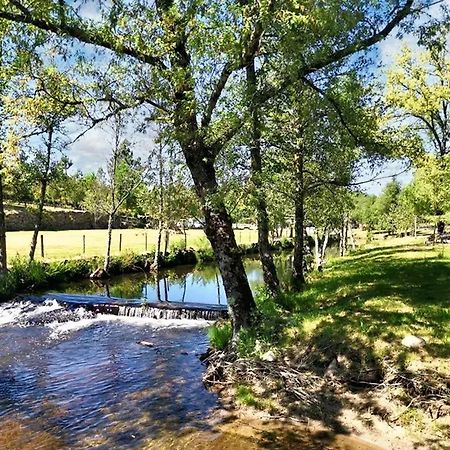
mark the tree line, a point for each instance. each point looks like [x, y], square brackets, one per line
[268, 104]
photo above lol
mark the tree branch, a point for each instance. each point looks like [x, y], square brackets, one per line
[359, 45]
[81, 31]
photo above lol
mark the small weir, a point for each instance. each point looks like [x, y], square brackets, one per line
[136, 308]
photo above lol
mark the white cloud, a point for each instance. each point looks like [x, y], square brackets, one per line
[91, 151]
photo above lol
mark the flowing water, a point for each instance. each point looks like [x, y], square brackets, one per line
[75, 379]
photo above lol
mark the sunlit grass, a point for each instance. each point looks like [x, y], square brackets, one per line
[377, 296]
[69, 244]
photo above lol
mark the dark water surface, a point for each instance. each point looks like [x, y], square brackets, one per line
[185, 284]
[70, 379]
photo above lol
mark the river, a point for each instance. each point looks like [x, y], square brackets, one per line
[73, 379]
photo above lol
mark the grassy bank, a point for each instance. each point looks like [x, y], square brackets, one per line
[334, 352]
[69, 244]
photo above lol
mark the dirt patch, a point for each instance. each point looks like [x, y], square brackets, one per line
[378, 402]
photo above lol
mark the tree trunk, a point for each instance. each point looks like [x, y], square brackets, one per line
[200, 159]
[108, 242]
[352, 238]
[166, 240]
[44, 183]
[324, 244]
[298, 276]
[156, 262]
[269, 271]
[3, 256]
[219, 231]
[317, 252]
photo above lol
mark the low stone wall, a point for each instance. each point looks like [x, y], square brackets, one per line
[19, 218]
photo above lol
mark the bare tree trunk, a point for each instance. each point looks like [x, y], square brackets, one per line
[298, 276]
[343, 238]
[415, 226]
[317, 252]
[269, 271]
[345, 235]
[352, 238]
[44, 183]
[324, 244]
[156, 262]
[3, 255]
[112, 206]
[166, 240]
[108, 242]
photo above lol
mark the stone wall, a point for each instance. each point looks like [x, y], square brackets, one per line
[19, 218]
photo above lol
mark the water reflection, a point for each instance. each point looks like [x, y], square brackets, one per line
[186, 284]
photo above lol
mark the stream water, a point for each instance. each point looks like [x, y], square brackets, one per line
[72, 379]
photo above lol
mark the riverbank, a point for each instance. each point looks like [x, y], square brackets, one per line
[336, 354]
[28, 277]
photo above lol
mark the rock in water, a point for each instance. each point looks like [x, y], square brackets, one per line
[413, 341]
[146, 343]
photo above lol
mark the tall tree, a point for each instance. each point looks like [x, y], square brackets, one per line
[269, 271]
[419, 89]
[41, 103]
[191, 53]
[124, 175]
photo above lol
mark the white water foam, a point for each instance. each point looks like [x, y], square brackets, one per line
[62, 328]
[15, 312]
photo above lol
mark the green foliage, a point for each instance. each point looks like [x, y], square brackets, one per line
[419, 87]
[246, 396]
[267, 331]
[220, 335]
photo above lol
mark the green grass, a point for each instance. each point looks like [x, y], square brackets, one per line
[363, 305]
[69, 244]
[246, 396]
[220, 335]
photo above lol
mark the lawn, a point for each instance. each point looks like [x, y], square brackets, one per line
[379, 295]
[69, 244]
[350, 321]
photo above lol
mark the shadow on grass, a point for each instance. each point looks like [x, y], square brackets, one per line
[361, 309]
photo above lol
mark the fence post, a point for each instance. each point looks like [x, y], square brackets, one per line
[145, 234]
[42, 245]
[84, 244]
[120, 242]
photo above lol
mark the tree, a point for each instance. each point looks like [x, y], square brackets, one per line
[42, 106]
[317, 136]
[268, 266]
[174, 44]
[125, 174]
[419, 90]
[387, 204]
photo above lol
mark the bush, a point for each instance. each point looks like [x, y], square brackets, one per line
[205, 255]
[28, 274]
[220, 335]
